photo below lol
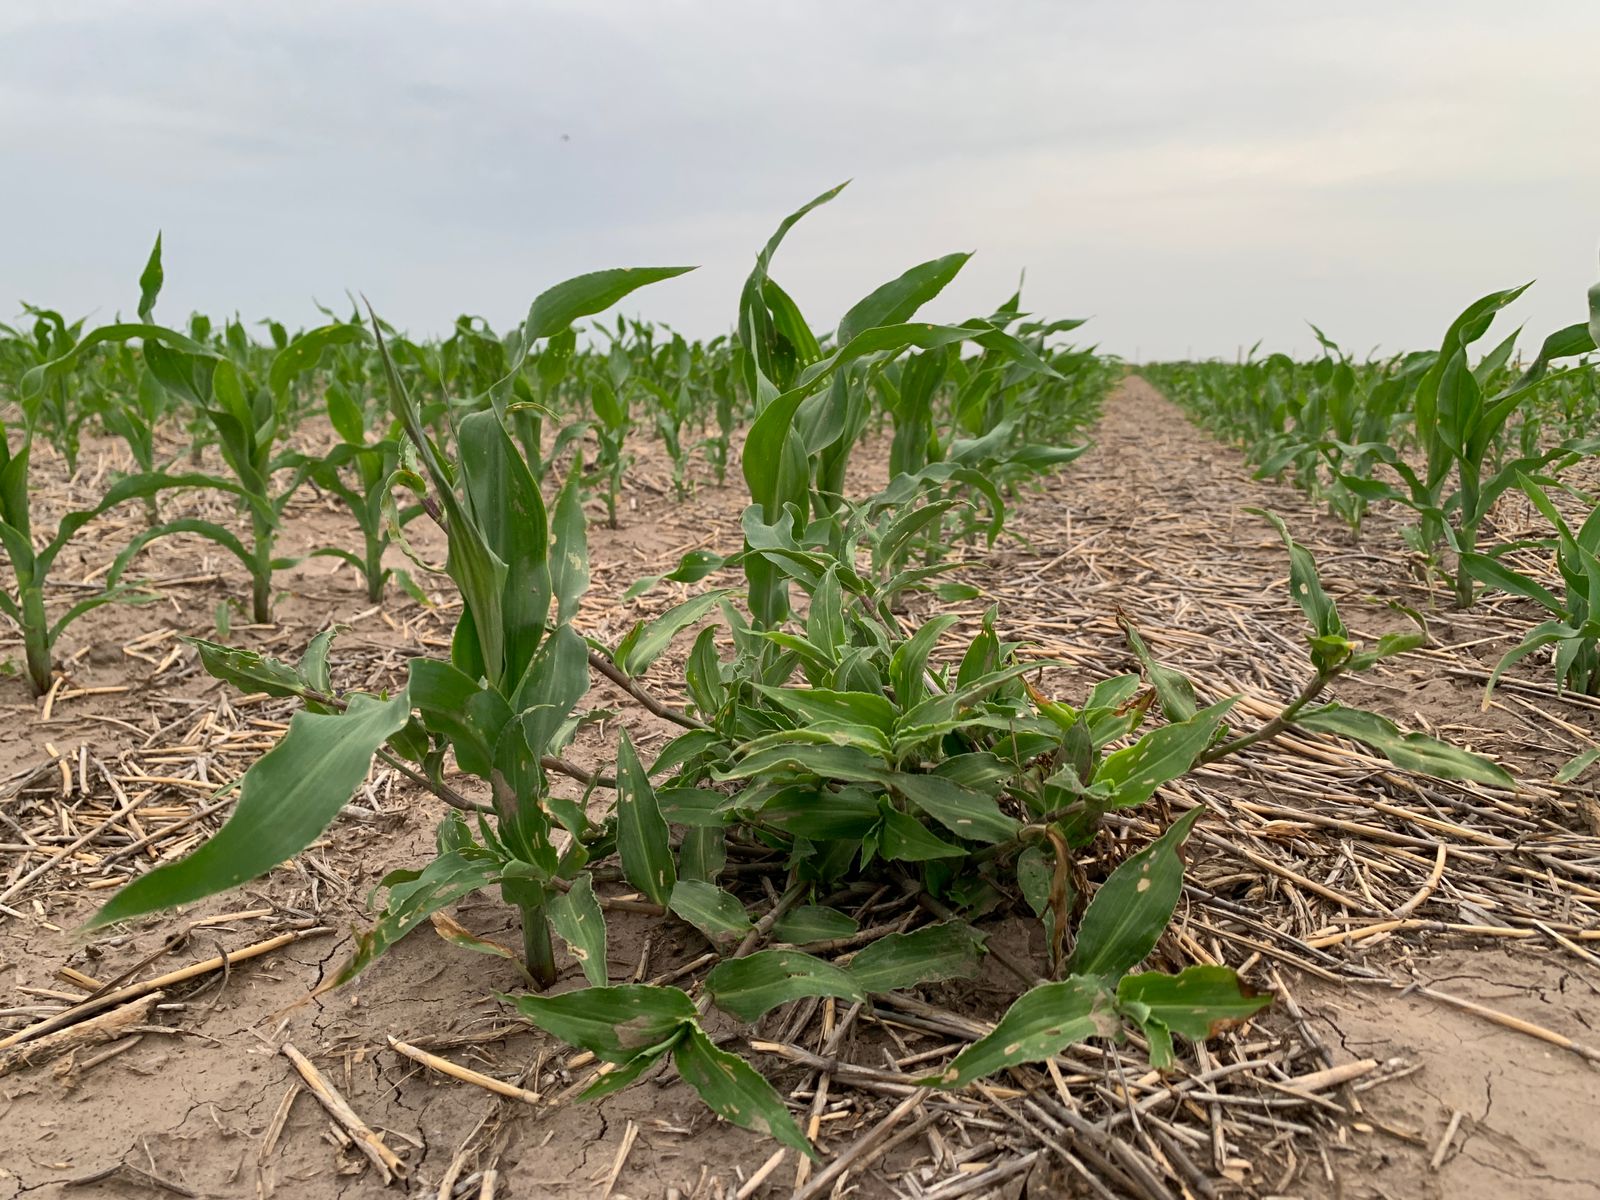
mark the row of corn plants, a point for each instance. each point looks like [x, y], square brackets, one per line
[827, 741]
[1448, 437]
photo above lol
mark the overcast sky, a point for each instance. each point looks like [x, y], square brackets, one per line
[1194, 176]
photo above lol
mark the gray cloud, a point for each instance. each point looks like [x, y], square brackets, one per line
[1195, 176]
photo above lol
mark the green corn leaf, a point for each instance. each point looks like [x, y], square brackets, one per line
[747, 987]
[1576, 766]
[286, 799]
[642, 838]
[576, 916]
[615, 1024]
[951, 950]
[453, 704]
[614, 1079]
[345, 415]
[556, 308]
[305, 351]
[150, 283]
[247, 670]
[962, 811]
[1132, 775]
[712, 911]
[1133, 907]
[897, 301]
[733, 1090]
[1040, 1024]
[1305, 584]
[1495, 573]
[509, 513]
[1198, 1003]
[648, 640]
[37, 378]
[569, 548]
[813, 923]
[557, 678]
[413, 898]
[1173, 688]
[1410, 751]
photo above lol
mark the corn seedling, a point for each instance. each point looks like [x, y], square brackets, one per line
[1574, 625]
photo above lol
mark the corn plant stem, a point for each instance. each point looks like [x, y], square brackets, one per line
[1284, 720]
[442, 790]
[537, 952]
[36, 638]
[666, 712]
[261, 570]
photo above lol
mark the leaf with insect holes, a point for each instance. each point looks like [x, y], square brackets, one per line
[1040, 1024]
[642, 838]
[576, 916]
[1305, 585]
[712, 911]
[734, 1090]
[286, 799]
[1410, 751]
[247, 670]
[615, 1024]
[750, 986]
[1132, 908]
[1199, 1003]
[950, 950]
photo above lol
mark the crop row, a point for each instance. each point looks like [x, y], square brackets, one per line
[828, 742]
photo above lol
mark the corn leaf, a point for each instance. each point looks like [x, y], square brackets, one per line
[286, 799]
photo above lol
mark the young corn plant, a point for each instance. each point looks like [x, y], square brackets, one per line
[1574, 625]
[26, 602]
[500, 705]
[358, 471]
[1458, 422]
[610, 401]
[251, 417]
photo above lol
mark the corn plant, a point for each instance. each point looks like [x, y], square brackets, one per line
[1574, 624]
[358, 471]
[610, 401]
[1457, 425]
[812, 405]
[516, 670]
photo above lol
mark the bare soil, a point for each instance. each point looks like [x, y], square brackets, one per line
[1151, 521]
